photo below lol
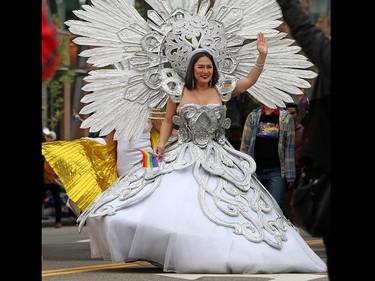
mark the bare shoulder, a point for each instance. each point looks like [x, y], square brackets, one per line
[187, 96]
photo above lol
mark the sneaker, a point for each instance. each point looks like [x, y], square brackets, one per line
[58, 225]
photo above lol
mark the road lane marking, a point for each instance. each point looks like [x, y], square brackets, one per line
[80, 269]
[83, 241]
[284, 277]
[314, 242]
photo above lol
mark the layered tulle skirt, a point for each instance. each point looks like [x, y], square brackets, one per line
[201, 211]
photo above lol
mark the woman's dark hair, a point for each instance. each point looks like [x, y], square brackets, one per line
[189, 77]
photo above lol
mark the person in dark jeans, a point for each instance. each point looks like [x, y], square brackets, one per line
[55, 191]
[49, 185]
[268, 137]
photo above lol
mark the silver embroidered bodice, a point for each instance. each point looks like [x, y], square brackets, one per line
[245, 205]
[202, 124]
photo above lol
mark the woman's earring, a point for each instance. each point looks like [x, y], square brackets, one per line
[193, 83]
[210, 83]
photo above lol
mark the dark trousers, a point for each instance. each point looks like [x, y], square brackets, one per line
[55, 190]
[276, 185]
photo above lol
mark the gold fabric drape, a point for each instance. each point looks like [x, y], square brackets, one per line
[85, 167]
[155, 135]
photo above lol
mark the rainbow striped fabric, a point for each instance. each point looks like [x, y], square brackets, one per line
[57, 182]
[76, 116]
[302, 97]
[150, 160]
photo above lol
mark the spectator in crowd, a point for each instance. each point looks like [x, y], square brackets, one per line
[52, 182]
[293, 110]
[268, 137]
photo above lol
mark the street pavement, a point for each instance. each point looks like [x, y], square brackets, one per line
[66, 256]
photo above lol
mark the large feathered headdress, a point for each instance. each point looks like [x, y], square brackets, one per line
[150, 58]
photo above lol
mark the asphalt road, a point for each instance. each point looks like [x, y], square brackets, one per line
[66, 256]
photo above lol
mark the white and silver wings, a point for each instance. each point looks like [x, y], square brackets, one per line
[148, 59]
[124, 88]
[285, 71]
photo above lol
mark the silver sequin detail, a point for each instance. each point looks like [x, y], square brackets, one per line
[225, 177]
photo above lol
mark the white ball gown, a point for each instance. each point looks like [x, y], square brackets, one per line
[201, 211]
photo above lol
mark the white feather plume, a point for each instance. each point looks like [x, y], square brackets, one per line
[286, 71]
[120, 99]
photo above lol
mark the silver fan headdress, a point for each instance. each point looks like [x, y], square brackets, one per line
[150, 58]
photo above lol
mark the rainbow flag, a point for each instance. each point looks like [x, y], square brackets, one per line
[302, 98]
[76, 116]
[150, 160]
[57, 182]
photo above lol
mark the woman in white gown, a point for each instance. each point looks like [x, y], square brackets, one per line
[202, 210]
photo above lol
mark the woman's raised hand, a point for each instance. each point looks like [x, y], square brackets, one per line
[262, 44]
